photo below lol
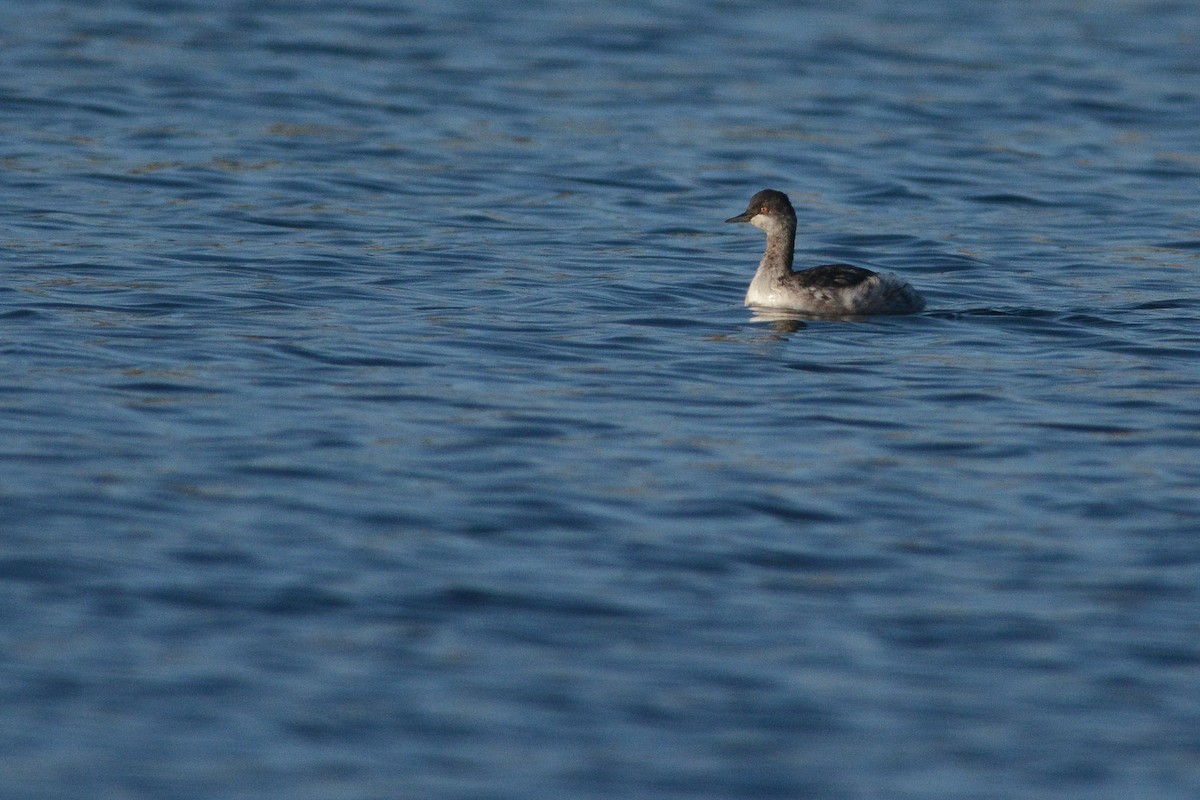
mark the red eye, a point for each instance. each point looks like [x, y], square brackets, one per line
[763, 210]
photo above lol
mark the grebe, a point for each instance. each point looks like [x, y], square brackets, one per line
[830, 290]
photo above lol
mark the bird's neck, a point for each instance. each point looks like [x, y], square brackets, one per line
[781, 246]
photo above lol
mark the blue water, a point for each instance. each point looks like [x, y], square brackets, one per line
[381, 419]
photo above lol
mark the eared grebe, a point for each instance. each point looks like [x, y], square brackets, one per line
[831, 290]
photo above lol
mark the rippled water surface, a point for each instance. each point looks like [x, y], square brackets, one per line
[381, 419]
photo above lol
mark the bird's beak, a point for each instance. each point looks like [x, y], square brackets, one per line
[745, 216]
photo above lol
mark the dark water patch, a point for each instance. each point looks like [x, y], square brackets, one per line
[290, 223]
[891, 193]
[474, 598]
[396, 521]
[198, 598]
[341, 360]
[955, 630]
[641, 180]
[811, 562]
[56, 688]
[1011, 199]
[999, 312]
[964, 397]
[1158, 351]
[790, 512]
[1111, 112]
[940, 447]
[1169, 171]
[23, 314]
[822, 367]
[138, 176]
[164, 388]
[1168, 304]
[38, 569]
[1172, 656]
[1088, 320]
[874, 241]
[311, 48]
[668, 322]
[214, 557]
[304, 600]
[290, 472]
[853, 422]
[703, 508]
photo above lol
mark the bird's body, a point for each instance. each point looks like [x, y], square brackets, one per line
[830, 290]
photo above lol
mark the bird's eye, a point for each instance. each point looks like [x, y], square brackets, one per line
[763, 210]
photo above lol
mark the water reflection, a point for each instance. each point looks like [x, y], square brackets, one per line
[779, 320]
[783, 320]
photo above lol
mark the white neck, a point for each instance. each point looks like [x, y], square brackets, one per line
[781, 244]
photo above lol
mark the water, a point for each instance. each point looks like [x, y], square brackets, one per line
[380, 417]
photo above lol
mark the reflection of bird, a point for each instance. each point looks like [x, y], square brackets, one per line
[829, 290]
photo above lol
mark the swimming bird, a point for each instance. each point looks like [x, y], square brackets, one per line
[830, 290]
